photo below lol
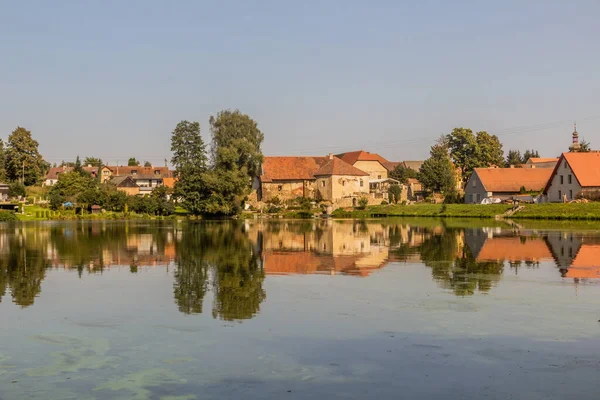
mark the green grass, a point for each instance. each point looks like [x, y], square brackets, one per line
[427, 210]
[560, 211]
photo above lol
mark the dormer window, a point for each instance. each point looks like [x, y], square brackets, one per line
[134, 172]
[157, 172]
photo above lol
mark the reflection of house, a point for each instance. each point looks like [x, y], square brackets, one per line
[514, 248]
[52, 175]
[504, 183]
[586, 263]
[574, 173]
[564, 247]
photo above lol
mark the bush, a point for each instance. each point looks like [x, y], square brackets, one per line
[16, 189]
[384, 203]
[394, 193]
[7, 216]
[362, 203]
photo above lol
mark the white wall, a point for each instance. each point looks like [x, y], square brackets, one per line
[557, 190]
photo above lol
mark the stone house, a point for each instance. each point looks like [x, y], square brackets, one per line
[371, 163]
[341, 183]
[504, 183]
[574, 174]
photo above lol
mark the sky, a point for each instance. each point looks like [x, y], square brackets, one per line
[111, 79]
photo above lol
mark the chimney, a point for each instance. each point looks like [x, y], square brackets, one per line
[331, 156]
[512, 166]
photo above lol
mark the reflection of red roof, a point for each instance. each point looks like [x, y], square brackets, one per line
[512, 179]
[513, 249]
[354, 156]
[291, 168]
[339, 167]
[586, 263]
[286, 263]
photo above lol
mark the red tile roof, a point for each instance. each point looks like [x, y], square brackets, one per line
[354, 156]
[337, 166]
[513, 249]
[140, 170]
[291, 168]
[512, 179]
[536, 160]
[55, 171]
[585, 166]
[391, 165]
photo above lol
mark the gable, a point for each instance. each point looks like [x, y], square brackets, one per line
[510, 180]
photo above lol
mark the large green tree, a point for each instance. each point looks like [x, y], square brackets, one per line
[469, 151]
[23, 160]
[437, 172]
[513, 158]
[403, 174]
[189, 159]
[2, 161]
[236, 140]
[93, 161]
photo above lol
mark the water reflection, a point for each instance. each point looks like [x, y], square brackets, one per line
[222, 265]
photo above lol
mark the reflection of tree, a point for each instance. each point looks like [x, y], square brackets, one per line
[23, 268]
[454, 267]
[223, 252]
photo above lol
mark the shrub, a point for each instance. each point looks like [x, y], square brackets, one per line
[362, 203]
[384, 203]
[394, 193]
[16, 189]
[7, 216]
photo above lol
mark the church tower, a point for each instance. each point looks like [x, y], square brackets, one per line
[575, 146]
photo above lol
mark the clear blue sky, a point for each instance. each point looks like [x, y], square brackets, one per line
[112, 78]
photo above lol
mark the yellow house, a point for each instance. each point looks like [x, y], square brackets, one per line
[341, 183]
[372, 163]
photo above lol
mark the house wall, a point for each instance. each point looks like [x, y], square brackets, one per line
[287, 190]
[557, 190]
[50, 182]
[474, 190]
[349, 186]
[373, 168]
[131, 191]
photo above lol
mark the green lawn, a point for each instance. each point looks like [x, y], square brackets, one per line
[428, 210]
[558, 211]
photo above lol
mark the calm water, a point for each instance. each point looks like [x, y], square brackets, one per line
[415, 309]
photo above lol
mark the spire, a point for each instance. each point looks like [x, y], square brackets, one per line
[575, 146]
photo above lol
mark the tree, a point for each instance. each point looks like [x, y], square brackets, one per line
[93, 161]
[584, 147]
[394, 193]
[161, 196]
[189, 159]
[147, 164]
[2, 161]
[403, 174]
[236, 140]
[23, 160]
[16, 189]
[488, 150]
[78, 168]
[437, 172]
[513, 158]
[132, 162]
[71, 184]
[469, 151]
[56, 201]
[529, 154]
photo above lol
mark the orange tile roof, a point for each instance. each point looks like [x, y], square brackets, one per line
[291, 168]
[360, 155]
[337, 166]
[586, 263]
[535, 160]
[585, 166]
[513, 249]
[512, 179]
[140, 170]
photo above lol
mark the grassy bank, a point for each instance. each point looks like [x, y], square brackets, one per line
[37, 213]
[549, 211]
[427, 210]
[559, 211]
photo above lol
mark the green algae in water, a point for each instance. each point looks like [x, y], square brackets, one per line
[178, 360]
[80, 354]
[139, 383]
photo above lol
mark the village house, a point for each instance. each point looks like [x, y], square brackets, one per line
[125, 184]
[540, 163]
[145, 178]
[575, 174]
[52, 175]
[341, 183]
[504, 183]
[371, 163]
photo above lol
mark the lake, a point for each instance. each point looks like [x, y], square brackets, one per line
[276, 309]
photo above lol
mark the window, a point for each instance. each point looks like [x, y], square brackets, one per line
[323, 183]
[378, 176]
[560, 195]
[562, 180]
[478, 197]
[279, 188]
[343, 183]
[474, 182]
[157, 172]
[565, 164]
[361, 183]
[134, 172]
[470, 198]
[570, 195]
[570, 178]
